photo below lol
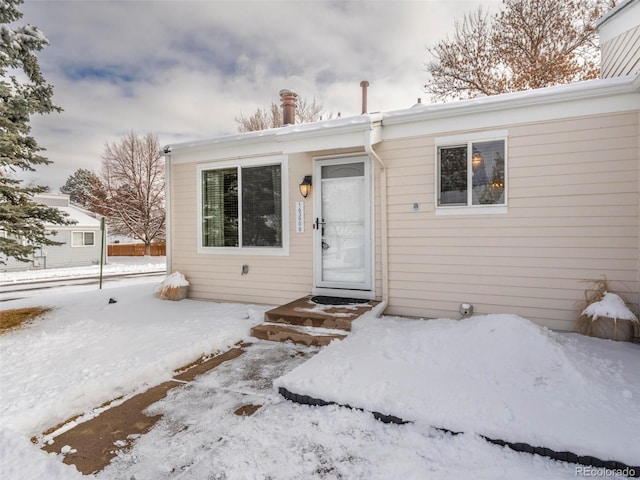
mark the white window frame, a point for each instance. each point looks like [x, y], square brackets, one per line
[281, 160]
[83, 232]
[468, 140]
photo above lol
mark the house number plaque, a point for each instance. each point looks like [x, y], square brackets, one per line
[299, 217]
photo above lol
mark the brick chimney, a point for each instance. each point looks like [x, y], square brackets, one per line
[288, 99]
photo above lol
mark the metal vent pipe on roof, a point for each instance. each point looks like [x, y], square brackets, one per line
[364, 84]
[289, 100]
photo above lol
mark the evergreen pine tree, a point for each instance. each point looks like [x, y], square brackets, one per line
[85, 189]
[23, 92]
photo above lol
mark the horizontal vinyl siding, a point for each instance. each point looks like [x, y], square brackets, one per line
[271, 279]
[572, 216]
[60, 256]
[68, 256]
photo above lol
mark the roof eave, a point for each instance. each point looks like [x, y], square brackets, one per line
[613, 12]
[289, 133]
[583, 90]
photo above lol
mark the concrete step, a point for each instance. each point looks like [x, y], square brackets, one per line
[301, 335]
[304, 312]
[309, 320]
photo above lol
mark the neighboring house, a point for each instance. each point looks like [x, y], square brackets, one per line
[81, 240]
[510, 203]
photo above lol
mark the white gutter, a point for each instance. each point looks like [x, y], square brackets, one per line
[301, 131]
[384, 247]
[584, 90]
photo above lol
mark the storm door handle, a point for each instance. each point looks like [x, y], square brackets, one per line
[318, 223]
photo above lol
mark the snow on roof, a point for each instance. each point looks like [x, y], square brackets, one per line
[345, 124]
[82, 219]
[577, 90]
[574, 91]
[52, 199]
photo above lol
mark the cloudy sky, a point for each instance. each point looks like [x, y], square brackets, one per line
[184, 70]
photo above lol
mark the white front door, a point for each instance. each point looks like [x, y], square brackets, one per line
[342, 225]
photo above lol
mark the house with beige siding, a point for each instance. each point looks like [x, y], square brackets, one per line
[509, 203]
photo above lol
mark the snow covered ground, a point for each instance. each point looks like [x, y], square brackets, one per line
[114, 266]
[499, 376]
[87, 351]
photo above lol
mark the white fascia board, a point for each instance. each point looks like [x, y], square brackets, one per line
[565, 101]
[341, 125]
[336, 133]
[213, 153]
[220, 143]
[621, 18]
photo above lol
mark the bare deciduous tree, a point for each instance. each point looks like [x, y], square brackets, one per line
[133, 179]
[528, 44]
[271, 117]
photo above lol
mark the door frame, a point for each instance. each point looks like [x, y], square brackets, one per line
[365, 290]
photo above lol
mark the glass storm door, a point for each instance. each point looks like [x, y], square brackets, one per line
[342, 224]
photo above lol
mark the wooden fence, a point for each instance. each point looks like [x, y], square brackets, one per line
[135, 249]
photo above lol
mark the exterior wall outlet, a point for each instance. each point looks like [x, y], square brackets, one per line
[245, 269]
[466, 309]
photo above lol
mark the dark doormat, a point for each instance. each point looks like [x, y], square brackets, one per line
[324, 300]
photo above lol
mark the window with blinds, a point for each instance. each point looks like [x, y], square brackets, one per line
[242, 207]
[262, 206]
[220, 208]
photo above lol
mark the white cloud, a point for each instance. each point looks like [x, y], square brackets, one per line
[185, 69]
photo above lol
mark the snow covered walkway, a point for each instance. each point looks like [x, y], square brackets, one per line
[91, 444]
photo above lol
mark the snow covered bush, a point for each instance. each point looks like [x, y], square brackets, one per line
[174, 287]
[607, 316]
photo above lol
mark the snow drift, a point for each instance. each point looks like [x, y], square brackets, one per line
[497, 375]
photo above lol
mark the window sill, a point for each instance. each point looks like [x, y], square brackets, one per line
[475, 210]
[265, 251]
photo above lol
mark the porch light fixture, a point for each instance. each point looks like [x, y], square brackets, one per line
[305, 186]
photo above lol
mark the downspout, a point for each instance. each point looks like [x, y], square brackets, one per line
[167, 206]
[384, 236]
